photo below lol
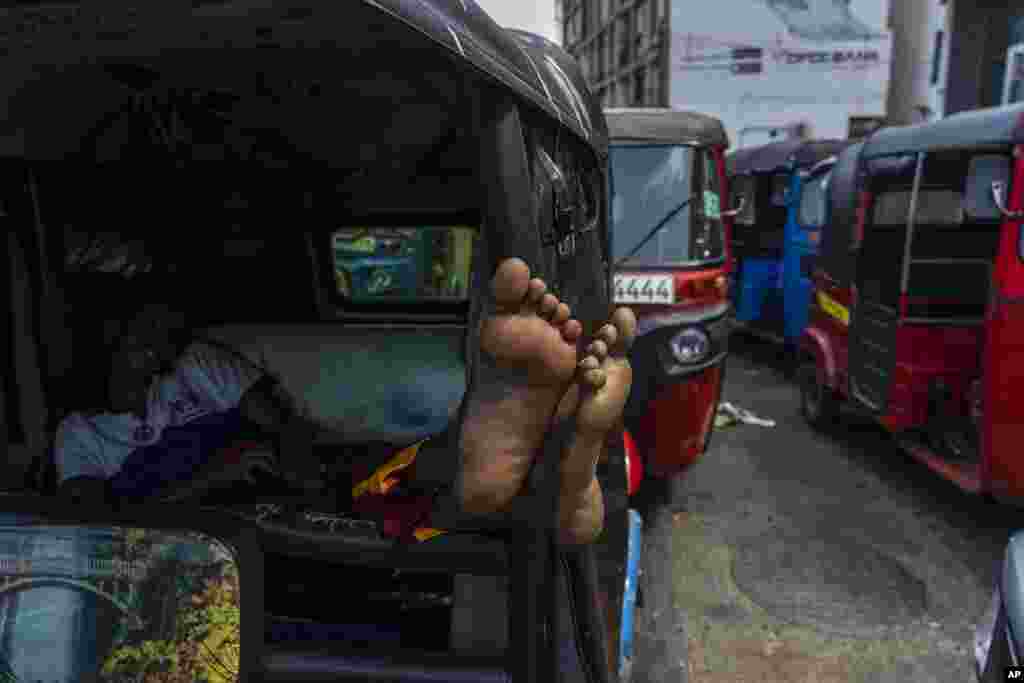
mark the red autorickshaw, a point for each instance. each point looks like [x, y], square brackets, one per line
[918, 309]
[670, 240]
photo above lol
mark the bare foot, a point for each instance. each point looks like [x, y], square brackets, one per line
[600, 397]
[528, 362]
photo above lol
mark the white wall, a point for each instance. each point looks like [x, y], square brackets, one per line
[781, 65]
[536, 16]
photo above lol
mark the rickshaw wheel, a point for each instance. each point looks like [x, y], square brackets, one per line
[818, 403]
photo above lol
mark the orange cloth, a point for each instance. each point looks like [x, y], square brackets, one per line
[385, 481]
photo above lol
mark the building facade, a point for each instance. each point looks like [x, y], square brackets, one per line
[983, 65]
[770, 69]
[622, 46]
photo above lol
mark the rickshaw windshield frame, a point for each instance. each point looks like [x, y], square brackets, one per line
[696, 209]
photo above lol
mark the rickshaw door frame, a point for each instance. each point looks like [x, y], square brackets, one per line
[1002, 416]
[883, 348]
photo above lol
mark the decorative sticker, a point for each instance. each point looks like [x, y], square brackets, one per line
[834, 308]
[711, 205]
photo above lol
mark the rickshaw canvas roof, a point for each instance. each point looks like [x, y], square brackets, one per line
[525, 65]
[778, 156]
[993, 126]
[664, 125]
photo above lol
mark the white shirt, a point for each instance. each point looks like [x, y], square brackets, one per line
[205, 380]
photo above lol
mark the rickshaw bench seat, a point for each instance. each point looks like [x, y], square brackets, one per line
[360, 385]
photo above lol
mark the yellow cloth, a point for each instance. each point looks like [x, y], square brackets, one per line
[381, 482]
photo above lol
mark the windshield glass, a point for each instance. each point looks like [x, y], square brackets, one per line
[812, 202]
[648, 183]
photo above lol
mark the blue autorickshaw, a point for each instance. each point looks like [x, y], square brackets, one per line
[807, 216]
[770, 247]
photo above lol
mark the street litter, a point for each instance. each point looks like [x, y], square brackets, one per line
[728, 415]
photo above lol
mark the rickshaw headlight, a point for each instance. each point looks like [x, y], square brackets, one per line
[691, 345]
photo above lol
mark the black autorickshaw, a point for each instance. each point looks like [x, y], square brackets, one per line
[214, 153]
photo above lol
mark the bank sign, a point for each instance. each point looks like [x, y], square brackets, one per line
[766, 67]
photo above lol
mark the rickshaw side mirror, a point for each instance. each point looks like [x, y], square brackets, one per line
[985, 194]
[732, 213]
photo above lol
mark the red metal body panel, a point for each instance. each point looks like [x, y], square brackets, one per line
[678, 423]
[1003, 413]
[924, 354]
[827, 338]
[634, 463]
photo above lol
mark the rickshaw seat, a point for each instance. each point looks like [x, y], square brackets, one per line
[361, 385]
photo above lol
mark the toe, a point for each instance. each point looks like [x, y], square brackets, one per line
[595, 379]
[536, 292]
[625, 323]
[548, 306]
[589, 363]
[608, 334]
[572, 330]
[598, 349]
[510, 283]
[561, 315]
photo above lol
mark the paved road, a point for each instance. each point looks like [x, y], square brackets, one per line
[803, 557]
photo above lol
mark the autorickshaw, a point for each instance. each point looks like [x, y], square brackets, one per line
[128, 137]
[670, 245]
[770, 285]
[915, 315]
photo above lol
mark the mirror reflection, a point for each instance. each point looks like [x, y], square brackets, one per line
[106, 604]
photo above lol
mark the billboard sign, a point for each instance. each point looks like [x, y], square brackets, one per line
[768, 68]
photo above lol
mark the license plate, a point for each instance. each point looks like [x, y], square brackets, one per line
[645, 289]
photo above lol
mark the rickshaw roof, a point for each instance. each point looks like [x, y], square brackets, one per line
[778, 156]
[665, 125]
[992, 126]
[523, 64]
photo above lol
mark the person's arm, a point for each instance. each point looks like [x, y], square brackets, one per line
[233, 381]
[80, 466]
[261, 400]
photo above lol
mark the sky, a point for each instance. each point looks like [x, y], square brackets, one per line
[536, 16]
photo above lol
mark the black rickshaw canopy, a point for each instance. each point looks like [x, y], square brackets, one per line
[382, 107]
[354, 54]
[982, 127]
[835, 255]
[665, 125]
[777, 157]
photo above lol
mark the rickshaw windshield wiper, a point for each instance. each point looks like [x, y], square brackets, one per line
[649, 236]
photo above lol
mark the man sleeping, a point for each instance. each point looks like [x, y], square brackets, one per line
[167, 411]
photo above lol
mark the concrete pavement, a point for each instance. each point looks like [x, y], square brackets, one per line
[801, 557]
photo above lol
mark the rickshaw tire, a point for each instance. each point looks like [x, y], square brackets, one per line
[819, 404]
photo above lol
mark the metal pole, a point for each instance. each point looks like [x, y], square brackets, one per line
[911, 217]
